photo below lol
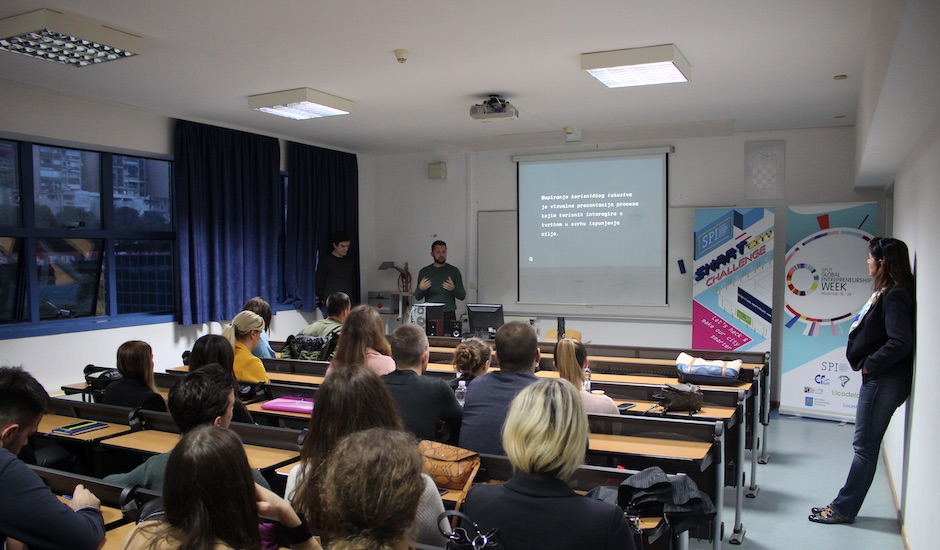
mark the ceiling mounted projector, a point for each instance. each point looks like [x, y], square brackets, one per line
[494, 108]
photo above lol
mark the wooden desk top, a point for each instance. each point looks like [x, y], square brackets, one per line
[109, 514]
[156, 442]
[283, 377]
[607, 359]
[50, 422]
[708, 412]
[649, 447]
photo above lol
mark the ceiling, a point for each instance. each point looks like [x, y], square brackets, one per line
[756, 65]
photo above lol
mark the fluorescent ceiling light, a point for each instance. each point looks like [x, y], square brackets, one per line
[300, 104]
[66, 39]
[637, 66]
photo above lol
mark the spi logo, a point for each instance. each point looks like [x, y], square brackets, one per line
[822, 380]
[844, 380]
[807, 389]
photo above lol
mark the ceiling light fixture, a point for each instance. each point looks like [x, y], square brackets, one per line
[67, 39]
[637, 66]
[300, 104]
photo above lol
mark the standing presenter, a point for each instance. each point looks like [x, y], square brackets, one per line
[881, 346]
[441, 282]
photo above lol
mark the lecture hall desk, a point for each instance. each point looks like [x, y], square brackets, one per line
[152, 442]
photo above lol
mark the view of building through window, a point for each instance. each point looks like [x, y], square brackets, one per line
[64, 237]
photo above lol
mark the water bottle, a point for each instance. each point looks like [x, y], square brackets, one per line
[461, 392]
[586, 384]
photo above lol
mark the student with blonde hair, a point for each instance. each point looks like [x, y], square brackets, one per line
[571, 358]
[545, 437]
[135, 388]
[260, 306]
[244, 333]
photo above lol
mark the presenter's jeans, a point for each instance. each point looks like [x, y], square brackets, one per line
[877, 401]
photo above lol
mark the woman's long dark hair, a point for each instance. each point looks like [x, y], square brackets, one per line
[893, 267]
[208, 491]
[135, 360]
[212, 348]
[351, 399]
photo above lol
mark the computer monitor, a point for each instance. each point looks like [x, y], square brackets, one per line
[484, 319]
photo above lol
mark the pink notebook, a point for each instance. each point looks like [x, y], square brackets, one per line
[289, 404]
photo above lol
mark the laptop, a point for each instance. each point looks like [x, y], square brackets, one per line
[289, 404]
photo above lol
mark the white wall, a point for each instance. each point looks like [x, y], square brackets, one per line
[911, 448]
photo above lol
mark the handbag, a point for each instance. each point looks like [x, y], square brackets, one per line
[100, 377]
[451, 468]
[679, 397]
[467, 534]
[696, 370]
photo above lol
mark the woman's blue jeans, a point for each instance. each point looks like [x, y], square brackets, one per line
[877, 401]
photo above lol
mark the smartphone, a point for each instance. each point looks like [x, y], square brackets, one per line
[623, 407]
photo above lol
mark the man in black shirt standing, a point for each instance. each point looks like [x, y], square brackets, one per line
[336, 272]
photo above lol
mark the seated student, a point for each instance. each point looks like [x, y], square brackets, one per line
[205, 396]
[135, 388]
[211, 501]
[373, 486]
[363, 342]
[213, 349]
[351, 400]
[29, 513]
[488, 397]
[545, 438]
[571, 358]
[244, 333]
[337, 307]
[258, 305]
[471, 360]
[422, 401]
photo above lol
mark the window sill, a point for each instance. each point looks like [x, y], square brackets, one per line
[66, 326]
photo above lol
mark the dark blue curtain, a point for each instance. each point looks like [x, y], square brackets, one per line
[322, 197]
[226, 193]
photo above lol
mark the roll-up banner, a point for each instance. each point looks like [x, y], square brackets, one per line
[732, 289]
[826, 283]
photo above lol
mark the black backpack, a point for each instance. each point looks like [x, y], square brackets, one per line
[311, 348]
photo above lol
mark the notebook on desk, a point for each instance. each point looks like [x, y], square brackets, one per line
[289, 404]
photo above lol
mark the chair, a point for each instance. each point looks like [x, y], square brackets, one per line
[552, 335]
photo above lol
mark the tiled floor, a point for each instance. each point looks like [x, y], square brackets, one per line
[809, 460]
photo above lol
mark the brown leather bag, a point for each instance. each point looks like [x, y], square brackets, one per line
[451, 468]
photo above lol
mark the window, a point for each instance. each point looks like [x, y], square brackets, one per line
[83, 234]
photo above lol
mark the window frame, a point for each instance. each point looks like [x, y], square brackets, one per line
[28, 236]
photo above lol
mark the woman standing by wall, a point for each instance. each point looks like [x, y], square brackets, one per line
[881, 346]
